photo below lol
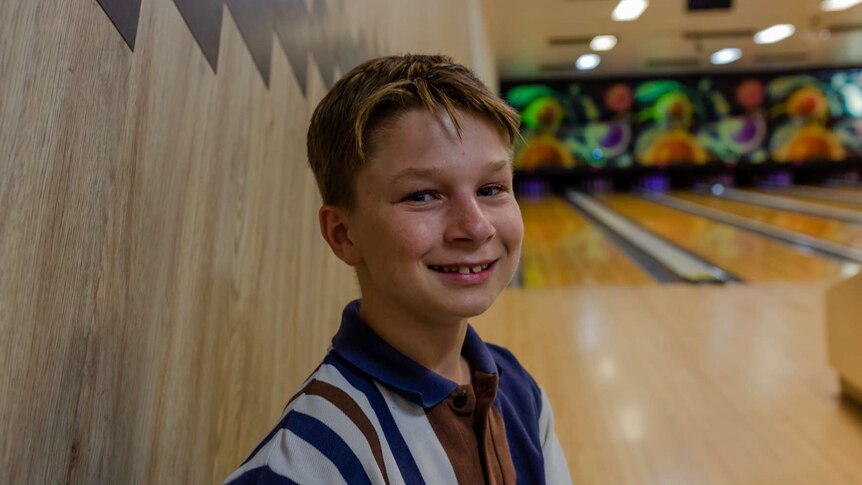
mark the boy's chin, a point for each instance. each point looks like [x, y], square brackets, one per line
[470, 307]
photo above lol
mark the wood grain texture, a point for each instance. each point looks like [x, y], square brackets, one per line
[164, 288]
[685, 384]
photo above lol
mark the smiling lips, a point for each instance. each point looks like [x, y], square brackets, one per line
[462, 268]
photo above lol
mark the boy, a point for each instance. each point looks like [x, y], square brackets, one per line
[413, 158]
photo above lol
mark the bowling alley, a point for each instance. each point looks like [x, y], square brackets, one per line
[608, 242]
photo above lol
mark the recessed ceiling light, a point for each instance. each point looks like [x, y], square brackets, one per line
[588, 62]
[603, 42]
[835, 5]
[774, 34]
[630, 10]
[726, 56]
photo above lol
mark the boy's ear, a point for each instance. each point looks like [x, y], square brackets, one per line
[335, 229]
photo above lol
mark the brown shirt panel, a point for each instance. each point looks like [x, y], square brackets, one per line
[472, 432]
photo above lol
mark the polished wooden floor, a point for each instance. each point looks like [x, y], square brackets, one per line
[683, 384]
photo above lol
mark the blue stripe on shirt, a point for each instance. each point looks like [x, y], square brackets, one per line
[261, 476]
[406, 463]
[329, 444]
[265, 440]
[520, 402]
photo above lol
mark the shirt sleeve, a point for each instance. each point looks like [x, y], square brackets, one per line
[556, 467]
[286, 459]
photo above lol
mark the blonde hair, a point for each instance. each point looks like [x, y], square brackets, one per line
[343, 126]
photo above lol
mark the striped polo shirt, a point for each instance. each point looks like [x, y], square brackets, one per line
[369, 414]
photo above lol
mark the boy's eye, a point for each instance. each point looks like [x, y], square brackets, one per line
[419, 197]
[489, 190]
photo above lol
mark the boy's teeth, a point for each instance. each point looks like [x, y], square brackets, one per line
[461, 269]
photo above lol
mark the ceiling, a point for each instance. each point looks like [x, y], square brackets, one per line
[667, 39]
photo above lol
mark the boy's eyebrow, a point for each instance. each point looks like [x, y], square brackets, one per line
[409, 173]
[507, 163]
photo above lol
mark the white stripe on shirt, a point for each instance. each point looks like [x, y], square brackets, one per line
[258, 460]
[556, 467]
[323, 410]
[301, 462]
[422, 441]
[330, 375]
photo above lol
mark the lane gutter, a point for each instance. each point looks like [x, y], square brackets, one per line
[660, 258]
[800, 207]
[821, 246]
[823, 194]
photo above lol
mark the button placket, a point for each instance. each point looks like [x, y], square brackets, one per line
[462, 401]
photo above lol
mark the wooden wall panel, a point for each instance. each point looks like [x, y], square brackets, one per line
[163, 287]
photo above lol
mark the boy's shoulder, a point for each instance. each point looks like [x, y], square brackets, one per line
[330, 430]
[515, 381]
[344, 423]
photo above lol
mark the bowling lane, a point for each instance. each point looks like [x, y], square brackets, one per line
[813, 200]
[562, 248]
[855, 189]
[831, 230]
[752, 257]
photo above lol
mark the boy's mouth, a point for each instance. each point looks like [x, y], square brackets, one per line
[462, 268]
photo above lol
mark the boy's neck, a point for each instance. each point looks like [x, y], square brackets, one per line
[436, 346]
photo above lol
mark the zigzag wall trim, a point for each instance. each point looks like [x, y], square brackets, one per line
[256, 27]
[203, 18]
[124, 15]
[298, 30]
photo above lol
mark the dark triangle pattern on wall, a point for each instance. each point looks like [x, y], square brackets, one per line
[203, 18]
[255, 23]
[323, 37]
[319, 32]
[124, 14]
[293, 30]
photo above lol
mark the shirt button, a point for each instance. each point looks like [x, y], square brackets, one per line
[460, 400]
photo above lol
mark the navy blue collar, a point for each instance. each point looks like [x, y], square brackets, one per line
[356, 343]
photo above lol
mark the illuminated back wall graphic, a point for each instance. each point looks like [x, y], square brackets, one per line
[726, 120]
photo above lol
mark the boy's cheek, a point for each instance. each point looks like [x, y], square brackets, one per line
[512, 225]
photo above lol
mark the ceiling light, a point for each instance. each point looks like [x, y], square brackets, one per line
[774, 34]
[588, 62]
[603, 42]
[835, 5]
[726, 56]
[630, 10]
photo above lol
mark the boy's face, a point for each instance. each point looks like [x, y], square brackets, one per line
[436, 228]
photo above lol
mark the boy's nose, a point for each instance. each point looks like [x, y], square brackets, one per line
[470, 223]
